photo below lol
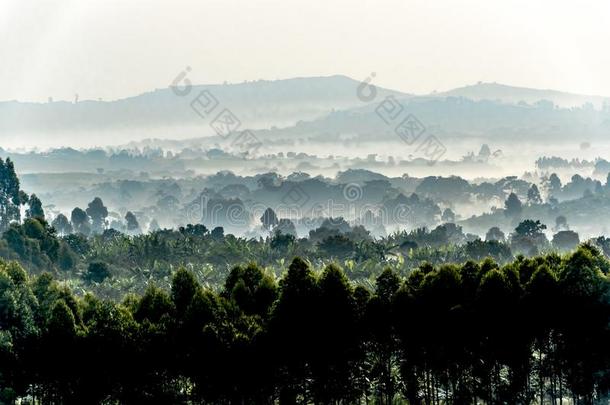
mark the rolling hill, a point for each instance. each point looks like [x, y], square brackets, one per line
[161, 113]
[515, 95]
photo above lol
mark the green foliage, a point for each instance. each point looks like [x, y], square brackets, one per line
[62, 225]
[97, 272]
[132, 222]
[98, 214]
[513, 206]
[534, 329]
[153, 306]
[35, 208]
[11, 197]
[80, 221]
[530, 228]
[184, 288]
[251, 289]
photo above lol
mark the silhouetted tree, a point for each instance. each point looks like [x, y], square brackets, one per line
[494, 233]
[98, 272]
[513, 206]
[218, 233]
[132, 222]
[565, 240]
[533, 195]
[11, 196]
[269, 219]
[448, 215]
[62, 225]
[286, 227]
[34, 208]
[98, 214]
[80, 221]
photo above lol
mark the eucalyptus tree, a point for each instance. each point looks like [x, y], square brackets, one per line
[98, 213]
[80, 221]
[11, 197]
[62, 225]
[34, 209]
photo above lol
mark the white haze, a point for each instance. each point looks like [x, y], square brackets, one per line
[111, 49]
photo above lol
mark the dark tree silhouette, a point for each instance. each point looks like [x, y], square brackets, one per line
[98, 214]
[132, 223]
[269, 219]
[35, 209]
[513, 206]
[80, 221]
[62, 225]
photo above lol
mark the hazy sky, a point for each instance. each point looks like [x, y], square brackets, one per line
[116, 48]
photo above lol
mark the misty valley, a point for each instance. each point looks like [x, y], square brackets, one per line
[301, 202]
[307, 245]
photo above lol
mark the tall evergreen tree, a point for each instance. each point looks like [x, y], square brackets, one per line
[10, 195]
[98, 214]
[62, 225]
[35, 209]
[80, 221]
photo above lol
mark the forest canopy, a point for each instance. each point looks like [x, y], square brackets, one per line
[198, 315]
[531, 330]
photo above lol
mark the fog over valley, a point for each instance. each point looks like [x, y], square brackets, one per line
[304, 203]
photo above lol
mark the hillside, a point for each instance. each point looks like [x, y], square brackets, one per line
[515, 95]
[163, 114]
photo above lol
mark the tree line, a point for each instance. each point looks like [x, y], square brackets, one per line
[534, 330]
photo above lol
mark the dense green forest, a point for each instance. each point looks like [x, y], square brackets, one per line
[91, 314]
[532, 330]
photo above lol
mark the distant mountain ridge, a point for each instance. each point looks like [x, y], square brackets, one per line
[279, 102]
[326, 108]
[515, 95]
[455, 118]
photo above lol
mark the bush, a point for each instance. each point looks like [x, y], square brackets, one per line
[97, 272]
